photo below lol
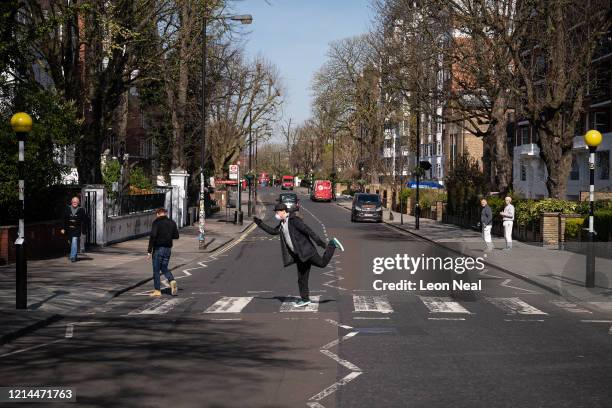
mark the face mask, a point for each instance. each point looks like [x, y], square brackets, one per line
[278, 217]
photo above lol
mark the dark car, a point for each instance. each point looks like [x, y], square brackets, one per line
[290, 200]
[366, 207]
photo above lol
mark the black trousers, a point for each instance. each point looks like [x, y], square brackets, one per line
[304, 268]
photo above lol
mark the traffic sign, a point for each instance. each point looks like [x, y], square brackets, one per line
[233, 172]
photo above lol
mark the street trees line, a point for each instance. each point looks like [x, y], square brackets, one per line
[478, 65]
[96, 55]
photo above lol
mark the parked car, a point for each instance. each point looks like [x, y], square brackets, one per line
[366, 207]
[290, 200]
[321, 191]
[287, 183]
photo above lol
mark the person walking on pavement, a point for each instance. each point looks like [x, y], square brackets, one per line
[75, 224]
[508, 220]
[486, 221]
[163, 231]
[297, 247]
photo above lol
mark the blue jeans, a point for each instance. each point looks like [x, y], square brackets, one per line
[161, 259]
[74, 247]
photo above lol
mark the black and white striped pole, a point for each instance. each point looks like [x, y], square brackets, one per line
[21, 124]
[592, 138]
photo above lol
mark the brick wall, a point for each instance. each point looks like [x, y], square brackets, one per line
[599, 195]
[43, 240]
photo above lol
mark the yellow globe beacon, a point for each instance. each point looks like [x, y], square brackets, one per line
[592, 138]
[21, 122]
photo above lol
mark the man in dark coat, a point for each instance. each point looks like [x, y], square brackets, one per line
[297, 247]
[163, 232]
[75, 224]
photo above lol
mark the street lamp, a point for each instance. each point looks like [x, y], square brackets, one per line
[22, 124]
[243, 19]
[592, 138]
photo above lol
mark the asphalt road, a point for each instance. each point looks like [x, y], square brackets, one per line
[232, 337]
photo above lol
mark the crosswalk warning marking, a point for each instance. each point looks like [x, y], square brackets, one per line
[158, 306]
[288, 305]
[228, 304]
[379, 304]
[570, 307]
[443, 305]
[515, 305]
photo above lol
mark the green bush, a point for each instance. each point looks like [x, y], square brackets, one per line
[497, 204]
[139, 180]
[603, 224]
[465, 184]
[573, 228]
[530, 210]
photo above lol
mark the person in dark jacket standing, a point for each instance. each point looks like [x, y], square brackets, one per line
[297, 247]
[75, 224]
[163, 231]
[486, 221]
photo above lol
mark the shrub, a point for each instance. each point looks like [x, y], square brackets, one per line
[530, 210]
[603, 224]
[139, 180]
[465, 183]
[573, 228]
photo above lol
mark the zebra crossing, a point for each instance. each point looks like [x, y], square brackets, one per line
[365, 305]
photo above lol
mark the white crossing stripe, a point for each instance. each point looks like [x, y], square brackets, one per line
[158, 306]
[515, 305]
[605, 306]
[569, 306]
[443, 305]
[228, 304]
[379, 304]
[288, 305]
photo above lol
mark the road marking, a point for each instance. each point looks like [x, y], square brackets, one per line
[484, 273]
[527, 291]
[596, 321]
[515, 306]
[371, 318]
[31, 348]
[259, 291]
[158, 306]
[337, 341]
[569, 306]
[229, 304]
[443, 305]
[205, 293]
[340, 361]
[334, 387]
[314, 405]
[225, 320]
[288, 305]
[69, 330]
[446, 318]
[523, 320]
[335, 323]
[379, 304]
[606, 306]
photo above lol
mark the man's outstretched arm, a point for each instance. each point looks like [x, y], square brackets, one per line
[270, 230]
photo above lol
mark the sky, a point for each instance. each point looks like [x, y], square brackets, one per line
[294, 35]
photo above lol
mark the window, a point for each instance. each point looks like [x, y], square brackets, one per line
[600, 121]
[602, 164]
[64, 155]
[524, 132]
[438, 170]
[439, 148]
[523, 172]
[453, 147]
[575, 171]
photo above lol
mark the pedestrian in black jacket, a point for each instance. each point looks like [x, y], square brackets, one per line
[297, 247]
[163, 231]
[75, 224]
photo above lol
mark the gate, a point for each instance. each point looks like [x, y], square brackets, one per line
[90, 210]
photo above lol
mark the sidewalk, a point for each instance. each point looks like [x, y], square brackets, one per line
[560, 272]
[57, 287]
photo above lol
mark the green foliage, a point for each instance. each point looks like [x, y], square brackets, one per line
[405, 193]
[573, 228]
[497, 204]
[603, 224]
[139, 179]
[54, 126]
[465, 183]
[111, 174]
[530, 210]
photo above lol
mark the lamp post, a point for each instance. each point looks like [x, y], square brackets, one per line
[417, 206]
[22, 124]
[243, 19]
[333, 175]
[592, 138]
